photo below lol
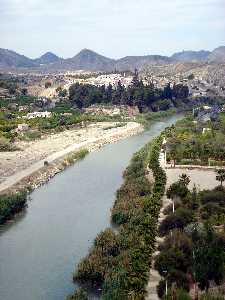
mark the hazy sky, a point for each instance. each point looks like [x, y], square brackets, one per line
[114, 28]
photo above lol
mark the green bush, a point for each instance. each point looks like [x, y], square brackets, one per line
[5, 145]
[78, 295]
[179, 294]
[10, 204]
[212, 296]
[120, 263]
[72, 157]
[177, 220]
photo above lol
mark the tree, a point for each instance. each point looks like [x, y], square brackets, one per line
[209, 258]
[24, 91]
[220, 176]
[47, 84]
[62, 93]
[167, 92]
[185, 179]
[180, 91]
[177, 189]
[178, 220]
[135, 81]
[171, 260]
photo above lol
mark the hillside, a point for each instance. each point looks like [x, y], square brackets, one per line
[188, 56]
[10, 59]
[47, 58]
[132, 62]
[218, 54]
[89, 60]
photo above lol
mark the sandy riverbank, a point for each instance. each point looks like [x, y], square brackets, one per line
[19, 168]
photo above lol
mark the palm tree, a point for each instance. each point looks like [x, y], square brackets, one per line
[220, 175]
[185, 179]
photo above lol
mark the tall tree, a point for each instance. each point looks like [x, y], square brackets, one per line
[220, 176]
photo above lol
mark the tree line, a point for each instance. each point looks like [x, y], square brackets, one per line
[137, 94]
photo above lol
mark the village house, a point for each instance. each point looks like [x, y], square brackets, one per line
[38, 114]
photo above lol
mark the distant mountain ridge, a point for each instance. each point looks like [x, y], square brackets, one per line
[186, 56]
[47, 58]
[9, 58]
[89, 60]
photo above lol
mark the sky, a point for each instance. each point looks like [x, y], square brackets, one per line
[114, 28]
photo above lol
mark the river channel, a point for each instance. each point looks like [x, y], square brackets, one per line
[40, 249]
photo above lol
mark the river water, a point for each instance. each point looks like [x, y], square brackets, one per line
[41, 248]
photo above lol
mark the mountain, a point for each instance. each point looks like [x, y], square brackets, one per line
[188, 56]
[47, 58]
[9, 59]
[89, 60]
[217, 55]
[138, 62]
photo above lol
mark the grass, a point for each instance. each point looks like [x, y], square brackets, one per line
[71, 158]
[115, 126]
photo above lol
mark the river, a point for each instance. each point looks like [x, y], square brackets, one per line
[40, 249]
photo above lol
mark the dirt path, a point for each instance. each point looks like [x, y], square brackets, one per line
[154, 276]
[25, 167]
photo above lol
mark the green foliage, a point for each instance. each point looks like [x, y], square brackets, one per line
[220, 175]
[179, 294]
[72, 157]
[212, 205]
[177, 189]
[30, 135]
[209, 258]
[79, 294]
[5, 145]
[187, 144]
[137, 94]
[170, 260]
[178, 220]
[120, 262]
[10, 204]
[212, 296]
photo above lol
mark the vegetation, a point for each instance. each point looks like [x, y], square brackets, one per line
[179, 294]
[193, 249]
[220, 176]
[119, 261]
[10, 204]
[137, 94]
[196, 142]
[72, 157]
[78, 295]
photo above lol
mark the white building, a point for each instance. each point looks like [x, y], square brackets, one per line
[37, 114]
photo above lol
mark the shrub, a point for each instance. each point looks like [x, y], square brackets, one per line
[212, 296]
[10, 204]
[216, 196]
[79, 294]
[178, 240]
[71, 158]
[177, 189]
[179, 219]
[5, 145]
[171, 260]
[179, 294]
